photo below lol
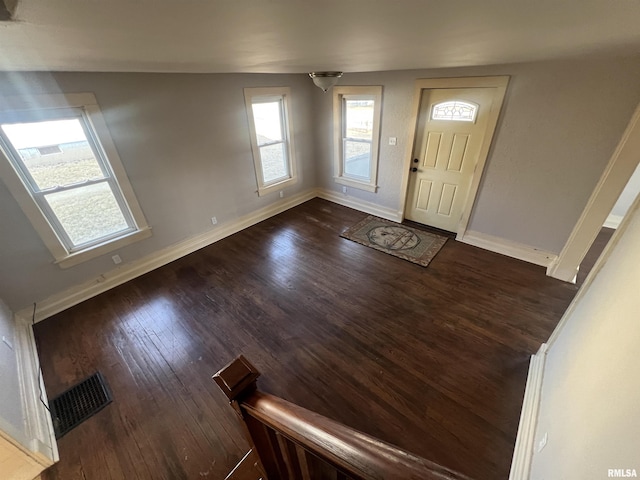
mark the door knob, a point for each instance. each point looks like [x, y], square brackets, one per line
[415, 160]
[414, 169]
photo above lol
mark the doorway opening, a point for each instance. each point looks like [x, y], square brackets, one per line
[602, 203]
[619, 211]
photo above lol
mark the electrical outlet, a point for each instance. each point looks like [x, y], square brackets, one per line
[214, 220]
[7, 342]
[116, 259]
[281, 194]
[543, 442]
[344, 190]
[393, 140]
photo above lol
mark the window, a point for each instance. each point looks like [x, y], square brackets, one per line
[59, 153]
[356, 116]
[271, 139]
[456, 111]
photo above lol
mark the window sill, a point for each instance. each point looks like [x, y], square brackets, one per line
[369, 187]
[78, 257]
[262, 191]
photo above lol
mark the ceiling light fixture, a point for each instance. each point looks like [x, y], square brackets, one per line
[325, 80]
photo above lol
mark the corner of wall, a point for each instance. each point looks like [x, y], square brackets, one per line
[523, 451]
[39, 427]
[360, 205]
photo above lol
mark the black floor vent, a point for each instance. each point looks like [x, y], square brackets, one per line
[80, 402]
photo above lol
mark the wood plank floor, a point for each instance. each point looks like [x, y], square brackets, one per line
[431, 359]
[593, 254]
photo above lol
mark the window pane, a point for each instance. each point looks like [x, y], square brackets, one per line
[56, 153]
[87, 213]
[359, 119]
[274, 162]
[267, 118]
[357, 158]
[456, 111]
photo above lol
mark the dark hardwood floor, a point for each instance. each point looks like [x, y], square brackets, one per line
[593, 254]
[431, 359]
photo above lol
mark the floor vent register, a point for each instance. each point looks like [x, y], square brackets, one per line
[80, 402]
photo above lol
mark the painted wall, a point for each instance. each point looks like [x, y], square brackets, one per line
[11, 410]
[627, 196]
[591, 386]
[560, 124]
[184, 143]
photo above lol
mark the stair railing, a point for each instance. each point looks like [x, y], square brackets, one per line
[293, 443]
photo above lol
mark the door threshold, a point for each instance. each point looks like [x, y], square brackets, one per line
[429, 228]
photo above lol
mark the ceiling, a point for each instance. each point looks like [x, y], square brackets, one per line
[296, 36]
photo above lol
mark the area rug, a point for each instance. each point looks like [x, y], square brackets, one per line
[398, 240]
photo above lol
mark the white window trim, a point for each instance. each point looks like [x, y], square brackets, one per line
[338, 93]
[285, 94]
[14, 183]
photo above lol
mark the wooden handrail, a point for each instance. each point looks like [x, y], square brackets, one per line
[282, 433]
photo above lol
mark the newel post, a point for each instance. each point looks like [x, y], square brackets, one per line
[237, 380]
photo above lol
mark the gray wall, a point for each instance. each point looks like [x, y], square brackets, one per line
[560, 124]
[184, 143]
[11, 413]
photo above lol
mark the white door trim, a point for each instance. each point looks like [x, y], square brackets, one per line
[621, 166]
[499, 84]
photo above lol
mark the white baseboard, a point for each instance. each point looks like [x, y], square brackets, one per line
[569, 276]
[360, 205]
[523, 451]
[122, 274]
[509, 248]
[79, 293]
[613, 221]
[39, 428]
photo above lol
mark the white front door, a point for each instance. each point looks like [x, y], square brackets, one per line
[451, 127]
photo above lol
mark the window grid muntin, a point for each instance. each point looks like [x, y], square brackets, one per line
[43, 203]
[39, 195]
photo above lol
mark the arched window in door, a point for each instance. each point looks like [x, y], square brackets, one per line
[456, 110]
